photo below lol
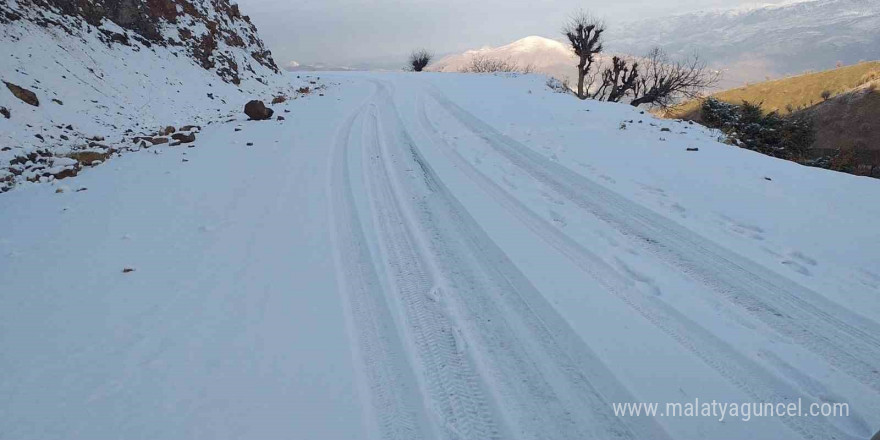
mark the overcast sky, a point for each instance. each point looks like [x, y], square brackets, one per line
[341, 32]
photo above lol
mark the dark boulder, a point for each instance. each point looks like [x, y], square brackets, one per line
[184, 138]
[257, 110]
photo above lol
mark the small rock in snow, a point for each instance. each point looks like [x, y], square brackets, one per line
[127, 270]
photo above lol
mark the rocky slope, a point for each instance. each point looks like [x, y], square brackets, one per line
[93, 75]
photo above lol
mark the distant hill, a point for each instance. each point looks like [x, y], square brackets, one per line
[544, 55]
[752, 44]
[796, 92]
[847, 123]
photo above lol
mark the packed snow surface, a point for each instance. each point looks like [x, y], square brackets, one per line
[439, 256]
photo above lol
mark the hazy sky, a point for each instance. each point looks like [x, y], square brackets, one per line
[350, 31]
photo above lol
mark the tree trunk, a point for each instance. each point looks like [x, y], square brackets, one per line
[582, 73]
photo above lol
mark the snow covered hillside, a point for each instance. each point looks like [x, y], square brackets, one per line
[439, 256]
[543, 55]
[101, 73]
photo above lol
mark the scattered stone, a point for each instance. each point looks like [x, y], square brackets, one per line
[768, 179]
[127, 270]
[57, 101]
[168, 130]
[286, 111]
[59, 190]
[5, 112]
[256, 110]
[665, 129]
[89, 157]
[68, 127]
[65, 173]
[237, 128]
[211, 95]
[82, 189]
[40, 137]
[279, 99]
[280, 118]
[190, 128]
[185, 160]
[693, 149]
[64, 137]
[304, 90]
[250, 144]
[23, 94]
[97, 138]
[183, 138]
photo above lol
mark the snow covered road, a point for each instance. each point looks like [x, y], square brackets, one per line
[439, 256]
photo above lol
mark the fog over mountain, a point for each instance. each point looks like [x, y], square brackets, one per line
[750, 44]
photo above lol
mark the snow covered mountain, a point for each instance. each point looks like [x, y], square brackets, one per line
[76, 72]
[550, 57]
[750, 44]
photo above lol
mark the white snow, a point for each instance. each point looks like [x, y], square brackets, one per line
[438, 256]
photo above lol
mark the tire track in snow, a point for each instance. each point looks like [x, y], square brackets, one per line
[746, 374]
[544, 379]
[393, 404]
[846, 340]
[455, 393]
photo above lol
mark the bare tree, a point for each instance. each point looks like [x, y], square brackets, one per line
[618, 80]
[482, 63]
[419, 59]
[584, 33]
[662, 82]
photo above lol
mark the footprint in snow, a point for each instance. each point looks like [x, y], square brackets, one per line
[797, 267]
[558, 218]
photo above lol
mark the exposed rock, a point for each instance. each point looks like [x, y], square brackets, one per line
[66, 172]
[168, 130]
[57, 101]
[23, 94]
[148, 22]
[90, 156]
[190, 128]
[693, 149]
[280, 118]
[256, 110]
[184, 138]
[279, 99]
[303, 90]
[5, 112]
